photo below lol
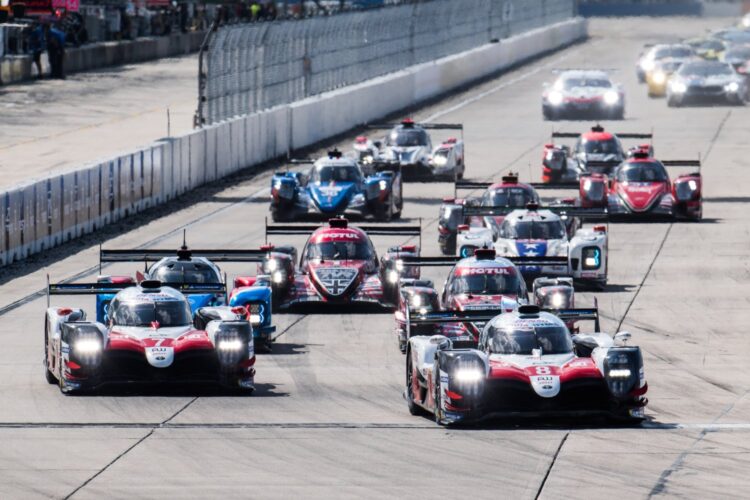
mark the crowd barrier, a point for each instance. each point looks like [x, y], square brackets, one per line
[48, 212]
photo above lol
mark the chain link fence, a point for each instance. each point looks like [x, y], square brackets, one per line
[251, 67]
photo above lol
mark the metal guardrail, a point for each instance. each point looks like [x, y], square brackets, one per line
[251, 67]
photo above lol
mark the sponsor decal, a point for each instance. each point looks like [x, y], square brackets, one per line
[336, 280]
[470, 271]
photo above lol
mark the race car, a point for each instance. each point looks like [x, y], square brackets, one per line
[580, 94]
[538, 232]
[150, 336]
[736, 56]
[366, 151]
[706, 81]
[195, 266]
[707, 48]
[526, 363]
[509, 192]
[338, 266]
[336, 185]
[654, 53]
[408, 148]
[483, 281]
[641, 188]
[658, 79]
[596, 151]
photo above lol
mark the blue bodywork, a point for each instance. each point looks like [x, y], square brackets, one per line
[292, 197]
[536, 248]
[259, 296]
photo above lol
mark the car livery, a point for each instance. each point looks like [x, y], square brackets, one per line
[583, 93]
[641, 188]
[338, 266]
[336, 185]
[454, 212]
[151, 336]
[706, 81]
[526, 363]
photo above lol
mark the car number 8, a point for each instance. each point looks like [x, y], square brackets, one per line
[543, 370]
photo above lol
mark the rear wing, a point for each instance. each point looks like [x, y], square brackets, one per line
[370, 229]
[452, 260]
[153, 255]
[577, 314]
[626, 135]
[683, 163]
[113, 288]
[443, 317]
[586, 213]
[470, 185]
[426, 126]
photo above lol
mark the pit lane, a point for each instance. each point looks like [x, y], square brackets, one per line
[328, 420]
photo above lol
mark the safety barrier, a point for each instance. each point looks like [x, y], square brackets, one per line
[45, 213]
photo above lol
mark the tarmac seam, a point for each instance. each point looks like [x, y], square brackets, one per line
[551, 465]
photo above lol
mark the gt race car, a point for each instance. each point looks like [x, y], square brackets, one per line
[526, 363]
[338, 266]
[508, 193]
[553, 232]
[336, 185]
[195, 266]
[648, 59]
[595, 151]
[706, 82]
[408, 146]
[640, 188]
[150, 336]
[580, 94]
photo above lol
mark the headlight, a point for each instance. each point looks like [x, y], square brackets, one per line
[679, 87]
[693, 185]
[383, 185]
[272, 265]
[647, 64]
[620, 373]
[416, 301]
[399, 265]
[87, 346]
[592, 258]
[732, 87]
[557, 300]
[255, 319]
[230, 345]
[587, 184]
[367, 160]
[659, 78]
[555, 98]
[611, 97]
[468, 376]
[278, 277]
[439, 161]
[392, 276]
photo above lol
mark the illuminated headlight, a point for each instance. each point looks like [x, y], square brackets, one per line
[383, 185]
[392, 276]
[416, 301]
[693, 185]
[611, 97]
[230, 345]
[255, 319]
[620, 373]
[87, 346]
[592, 258]
[399, 265]
[647, 64]
[679, 87]
[278, 277]
[587, 184]
[557, 300]
[423, 311]
[439, 161]
[555, 98]
[659, 78]
[367, 159]
[272, 265]
[732, 87]
[468, 376]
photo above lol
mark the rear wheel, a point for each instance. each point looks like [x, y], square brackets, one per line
[48, 375]
[414, 409]
[438, 401]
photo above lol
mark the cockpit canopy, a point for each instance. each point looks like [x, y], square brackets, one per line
[166, 313]
[520, 338]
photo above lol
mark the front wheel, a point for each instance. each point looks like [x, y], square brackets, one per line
[439, 419]
[414, 409]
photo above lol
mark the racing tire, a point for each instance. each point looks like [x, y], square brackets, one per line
[385, 214]
[671, 103]
[48, 375]
[414, 408]
[276, 217]
[436, 397]
[450, 246]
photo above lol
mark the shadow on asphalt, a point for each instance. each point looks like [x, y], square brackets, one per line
[180, 390]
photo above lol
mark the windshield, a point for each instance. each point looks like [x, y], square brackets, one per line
[572, 83]
[680, 52]
[497, 281]
[550, 338]
[339, 250]
[532, 230]
[506, 197]
[336, 174]
[705, 69]
[642, 172]
[184, 272]
[603, 147]
[407, 137]
[166, 313]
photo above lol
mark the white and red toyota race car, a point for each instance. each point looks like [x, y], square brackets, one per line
[150, 336]
[338, 266]
[526, 363]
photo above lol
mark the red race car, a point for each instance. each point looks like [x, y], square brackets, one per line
[338, 266]
[641, 187]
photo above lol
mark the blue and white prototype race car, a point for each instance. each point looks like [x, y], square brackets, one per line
[336, 185]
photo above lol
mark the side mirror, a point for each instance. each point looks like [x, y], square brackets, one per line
[622, 337]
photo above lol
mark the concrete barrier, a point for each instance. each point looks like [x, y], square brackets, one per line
[104, 54]
[47, 212]
[622, 9]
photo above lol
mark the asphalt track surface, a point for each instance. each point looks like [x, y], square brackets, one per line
[328, 419]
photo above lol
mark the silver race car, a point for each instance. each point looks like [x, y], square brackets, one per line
[583, 94]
